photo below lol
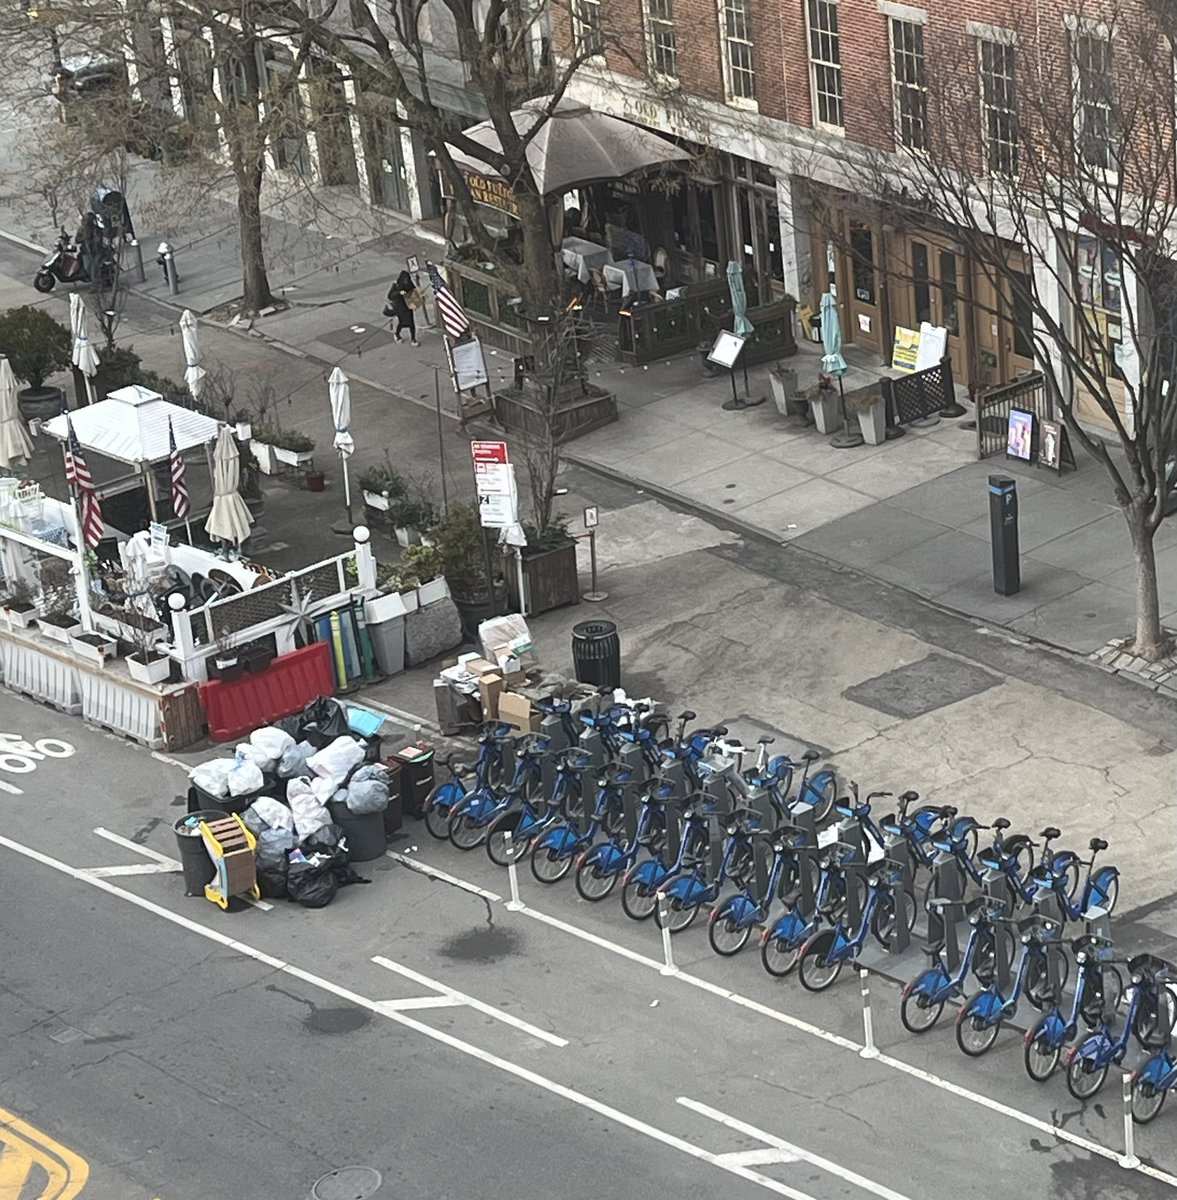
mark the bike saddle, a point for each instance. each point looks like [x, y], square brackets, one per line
[574, 760]
[719, 731]
[1097, 844]
[687, 715]
[932, 949]
[909, 797]
[1001, 823]
[532, 743]
[765, 740]
[497, 731]
[811, 756]
[1050, 833]
[616, 773]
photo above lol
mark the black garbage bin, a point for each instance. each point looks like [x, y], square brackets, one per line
[596, 653]
[416, 776]
[198, 865]
[365, 832]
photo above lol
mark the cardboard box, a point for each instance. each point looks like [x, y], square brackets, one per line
[516, 710]
[489, 688]
[508, 665]
[479, 667]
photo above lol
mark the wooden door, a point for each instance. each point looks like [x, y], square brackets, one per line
[937, 281]
[861, 311]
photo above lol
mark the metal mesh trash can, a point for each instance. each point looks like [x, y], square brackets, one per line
[596, 653]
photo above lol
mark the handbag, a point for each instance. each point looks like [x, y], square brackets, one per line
[389, 311]
[414, 299]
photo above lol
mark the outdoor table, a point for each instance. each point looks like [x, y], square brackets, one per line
[583, 256]
[634, 276]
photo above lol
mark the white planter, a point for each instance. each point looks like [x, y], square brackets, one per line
[410, 600]
[21, 620]
[376, 501]
[58, 633]
[826, 414]
[154, 671]
[293, 458]
[434, 590]
[264, 453]
[784, 392]
[384, 607]
[873, 424]
[407, 537]
[95, 654]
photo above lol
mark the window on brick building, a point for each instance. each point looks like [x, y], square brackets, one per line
[909, 83]
[588, 24]
[1095, 117]
[663, 52]
[1098, 319]
[736, 28]
[997, 107]
[825, 63]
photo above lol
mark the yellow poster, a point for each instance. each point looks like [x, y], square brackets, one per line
[906, 350]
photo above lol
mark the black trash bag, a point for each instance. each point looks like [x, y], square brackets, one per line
[272, 882]
[291, 725]
[312, 882]
[272, 847]
[329, 840]
[346, 875]
[325, 719]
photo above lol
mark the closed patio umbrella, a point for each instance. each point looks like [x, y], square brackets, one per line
[229, 520]
[340, 392]
[735, 282]
[832, 363]
[194, 373]
[84, 356]
[15, 446]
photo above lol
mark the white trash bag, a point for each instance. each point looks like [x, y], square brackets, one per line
[213, 776]
[337, 759]
[271, 742]
[244, 777]
[309, 813]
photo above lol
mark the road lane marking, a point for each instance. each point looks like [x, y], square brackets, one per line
[635, 1124]
[437, 873]
[762, 1156]
[470, 1002]
[132, 869]
[416, 1002]
[135, 848]
[835, 1039]
[24, 1148]
[796, 1153]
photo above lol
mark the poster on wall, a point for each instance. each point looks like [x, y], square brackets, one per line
[933, 345]
[1019, 441]
[905, 350]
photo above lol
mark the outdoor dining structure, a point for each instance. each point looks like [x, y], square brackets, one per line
[645, 240]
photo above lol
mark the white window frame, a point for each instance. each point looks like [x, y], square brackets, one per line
[665, 25]
[1003, 43]
[823, 64]
[585, 33]
[897, 87]
[1096, 31]
[729, 70]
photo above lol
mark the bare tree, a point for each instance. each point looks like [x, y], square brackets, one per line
[1049, 155]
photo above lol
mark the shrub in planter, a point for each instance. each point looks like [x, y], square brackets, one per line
[37, 346]
[457, 538]
[869, 408]
[19, 606]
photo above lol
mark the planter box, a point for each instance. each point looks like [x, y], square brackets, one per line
[375, 501]
[550, 580]
[153, 671]
[406, 537]
[58, 633]
[294, 458]
[434, 590]
[126, 632]
[21, 618]
[385, 607]
[94, 647]
[784, 393]
[873, 424]
[826, 414]
[264, 453]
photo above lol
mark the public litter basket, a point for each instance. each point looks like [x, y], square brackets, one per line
[364, 831]
[596, 653]
[199, 868]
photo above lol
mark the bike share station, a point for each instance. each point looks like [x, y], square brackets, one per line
[1022, 939]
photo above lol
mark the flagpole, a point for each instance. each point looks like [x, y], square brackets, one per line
[82, 587]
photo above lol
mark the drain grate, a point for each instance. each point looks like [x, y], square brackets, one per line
[347, 1183]
[922, 687]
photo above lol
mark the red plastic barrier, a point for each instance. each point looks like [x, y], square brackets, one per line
[286, 686]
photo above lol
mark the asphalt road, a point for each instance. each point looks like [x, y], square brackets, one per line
[186, 1054]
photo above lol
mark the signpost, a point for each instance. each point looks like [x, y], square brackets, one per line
[591, 521]
[494, 481]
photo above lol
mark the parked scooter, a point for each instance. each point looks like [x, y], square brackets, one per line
[73, 262]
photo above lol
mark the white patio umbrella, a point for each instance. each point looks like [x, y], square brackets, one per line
[14, 439]
[340, 391]
[194, 373]
[229, 520]
[84, 356]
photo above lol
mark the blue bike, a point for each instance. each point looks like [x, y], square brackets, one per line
[1101, 889]
[642, 882]
[471, 816]
[532, 817]
[487, 770]
[1151, 1084]
[553, 852]
[600, 867]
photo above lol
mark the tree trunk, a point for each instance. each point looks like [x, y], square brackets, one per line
[255, 282]
[542, 280]
[1151, 642]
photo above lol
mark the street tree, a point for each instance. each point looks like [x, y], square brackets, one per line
[1064, 194]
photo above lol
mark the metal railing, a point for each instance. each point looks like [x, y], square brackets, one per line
[1027, 392]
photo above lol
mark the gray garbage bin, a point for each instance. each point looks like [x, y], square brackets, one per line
[388, 644]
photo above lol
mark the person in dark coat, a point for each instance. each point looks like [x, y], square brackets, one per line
[399, 306]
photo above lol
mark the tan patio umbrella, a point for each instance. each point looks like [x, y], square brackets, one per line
[15, 446]
[229, 520]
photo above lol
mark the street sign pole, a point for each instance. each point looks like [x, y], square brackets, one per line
[591, 520]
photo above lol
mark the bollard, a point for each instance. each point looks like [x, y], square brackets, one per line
[167, 260]
[140, 271]
[1128, 1159]
[514, 904]
[869, 1049]
[668, 967]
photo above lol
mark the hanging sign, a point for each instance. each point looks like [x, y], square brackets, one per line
[494, 193]
[469, 365]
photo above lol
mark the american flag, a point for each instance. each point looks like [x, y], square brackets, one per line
[181, 505]
[77, 475]
[453, 316]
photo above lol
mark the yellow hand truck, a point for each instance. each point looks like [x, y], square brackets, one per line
[231, 846]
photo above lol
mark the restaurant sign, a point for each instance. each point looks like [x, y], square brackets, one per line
[492, 192]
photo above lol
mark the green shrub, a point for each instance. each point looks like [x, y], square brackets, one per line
[36, 344]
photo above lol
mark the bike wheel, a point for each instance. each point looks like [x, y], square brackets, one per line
[1037, 989]
[1147, 1099]
[985, 958]
[437, 815]
[638, 900]
[464, 832]
[1084, 1078]
[679, 916]
[496, 841]
[727, 936]
[778, 957]
[815, 970]
[918, 1011]
[1040, 1056]
[882, 924]
[593, 884]
[549, 865]
[974, 1035]
[828, 795]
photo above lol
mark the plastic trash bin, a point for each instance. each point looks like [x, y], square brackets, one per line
[596, 653]
[198, 865]
[365, 833]
[416, 779]
[388, 644]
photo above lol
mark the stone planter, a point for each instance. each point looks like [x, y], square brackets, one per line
[267, 463]
[94, 647]
[294, 458]
[784, 392]
[153, 671]
[42, 402]
[827, 415]
[56, 632]
[873, 423]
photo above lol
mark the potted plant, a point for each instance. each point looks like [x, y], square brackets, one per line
[57, 620]
[784, 391]
[36, 346]
[146, 664]
[293, 448]
[871, 412]
[262, 446]
[94, 647]
[408, 515]
[458, 539]
[550, 575]
[381, 485]
[823, 403]
[420, 565]
[225, 664]
[20, 609]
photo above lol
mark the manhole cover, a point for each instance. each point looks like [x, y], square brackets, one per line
[922, 687]
[348, 1183]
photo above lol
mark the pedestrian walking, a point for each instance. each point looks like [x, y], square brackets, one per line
[403, 301]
